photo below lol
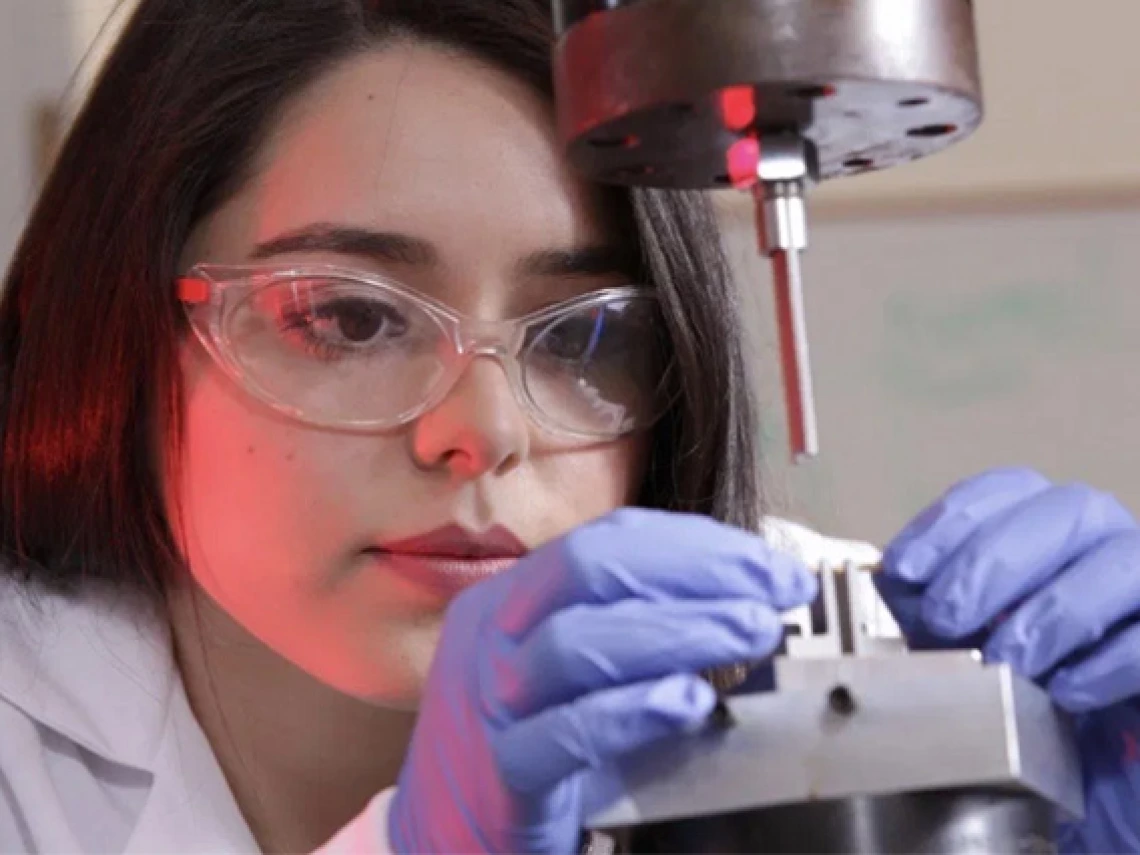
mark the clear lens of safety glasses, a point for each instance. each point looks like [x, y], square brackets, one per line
[342, 349]
[599, 368]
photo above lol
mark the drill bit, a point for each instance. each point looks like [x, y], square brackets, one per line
[794, 355]
[785, 168]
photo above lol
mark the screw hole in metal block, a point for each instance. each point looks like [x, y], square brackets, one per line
[841, 701]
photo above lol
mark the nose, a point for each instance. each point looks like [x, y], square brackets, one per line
[479, 428]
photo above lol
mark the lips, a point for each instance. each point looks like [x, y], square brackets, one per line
[455, 542]
[450, 559]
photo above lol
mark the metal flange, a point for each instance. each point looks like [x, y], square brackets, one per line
[657, 92]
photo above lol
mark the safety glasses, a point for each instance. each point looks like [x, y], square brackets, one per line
[357, 351]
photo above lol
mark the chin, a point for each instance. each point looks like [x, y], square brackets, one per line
[400, 692]
[394, 677]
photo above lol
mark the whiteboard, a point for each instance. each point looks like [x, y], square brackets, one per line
[946, 345]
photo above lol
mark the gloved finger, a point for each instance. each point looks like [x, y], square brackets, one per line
[1109, 674]
[649, 555]
[919, 550]
[905, 600]
[1098, 591]
[1010, 557]
[586, 648]
[539, 752]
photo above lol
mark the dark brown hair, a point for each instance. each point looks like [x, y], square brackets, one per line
[89, 324]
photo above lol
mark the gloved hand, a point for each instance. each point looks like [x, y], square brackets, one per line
[581, 653]
[1047, 579]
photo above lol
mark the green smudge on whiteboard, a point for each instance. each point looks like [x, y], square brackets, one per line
[978, 347]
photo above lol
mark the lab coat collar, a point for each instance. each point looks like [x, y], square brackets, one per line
[96, 668]
[99, 669]
[191, 807]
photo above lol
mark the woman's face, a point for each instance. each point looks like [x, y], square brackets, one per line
[278, 518]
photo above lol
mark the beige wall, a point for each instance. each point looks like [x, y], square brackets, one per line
[35, 63]
[43, 73]
[93, 27]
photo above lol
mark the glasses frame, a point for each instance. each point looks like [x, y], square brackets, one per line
[211, 292]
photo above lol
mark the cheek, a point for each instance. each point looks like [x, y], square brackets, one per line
[599, 480]
[272, 516]
[263, 503]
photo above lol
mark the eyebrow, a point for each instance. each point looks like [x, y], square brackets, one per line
[580, 262]
[349, 240]
[395, 248]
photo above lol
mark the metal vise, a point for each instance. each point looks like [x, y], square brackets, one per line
[861, 747]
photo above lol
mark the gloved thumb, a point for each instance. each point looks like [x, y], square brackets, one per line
[905, 601]
[538, 753]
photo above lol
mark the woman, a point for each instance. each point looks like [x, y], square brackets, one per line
[328, 389]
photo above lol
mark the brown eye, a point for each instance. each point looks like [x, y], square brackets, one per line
[357, 321]
[334, 319]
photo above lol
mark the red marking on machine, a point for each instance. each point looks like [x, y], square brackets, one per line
[738, 107]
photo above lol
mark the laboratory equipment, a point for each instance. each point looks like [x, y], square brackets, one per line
[861, 747]
[769, 97]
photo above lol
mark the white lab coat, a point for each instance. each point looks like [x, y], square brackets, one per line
[100, 751]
